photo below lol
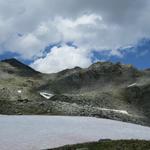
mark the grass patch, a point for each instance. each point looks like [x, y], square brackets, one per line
[109, 145]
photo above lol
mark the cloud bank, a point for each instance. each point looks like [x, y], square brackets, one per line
[62, 57]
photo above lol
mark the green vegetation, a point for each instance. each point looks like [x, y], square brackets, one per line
[109, 145]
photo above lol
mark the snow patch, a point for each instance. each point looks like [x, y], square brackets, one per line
[115, 110]
[131, 85]
[42, 132]
[19, 91]
[46, 95]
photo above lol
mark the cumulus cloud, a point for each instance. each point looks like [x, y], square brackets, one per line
[62, 58]
[27, 27]
[26, 46]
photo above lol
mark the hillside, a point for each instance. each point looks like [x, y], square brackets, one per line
[109, 145]
[105, 89]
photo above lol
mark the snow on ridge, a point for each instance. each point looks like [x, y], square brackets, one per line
[131, 85]
[115, 110]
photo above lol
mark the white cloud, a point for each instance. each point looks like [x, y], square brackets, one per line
[32, 45]
[26, 45]
[83, 31]
[79, 29]
[96, 24]
[62, 58]
[82, 20]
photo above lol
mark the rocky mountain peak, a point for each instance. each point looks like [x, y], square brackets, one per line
[14, 66]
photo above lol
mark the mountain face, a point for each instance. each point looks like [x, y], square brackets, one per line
[104, 89]
[13, 66]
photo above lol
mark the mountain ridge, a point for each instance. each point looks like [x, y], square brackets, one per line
[19, 65]
[104, 89]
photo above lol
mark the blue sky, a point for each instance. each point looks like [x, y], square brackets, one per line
[51, 38]
[137, 55]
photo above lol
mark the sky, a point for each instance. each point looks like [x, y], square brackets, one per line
[52, 35]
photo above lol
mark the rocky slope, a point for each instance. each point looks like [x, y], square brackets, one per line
[105, 89]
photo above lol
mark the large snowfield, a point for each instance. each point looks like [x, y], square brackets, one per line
[41, 132]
